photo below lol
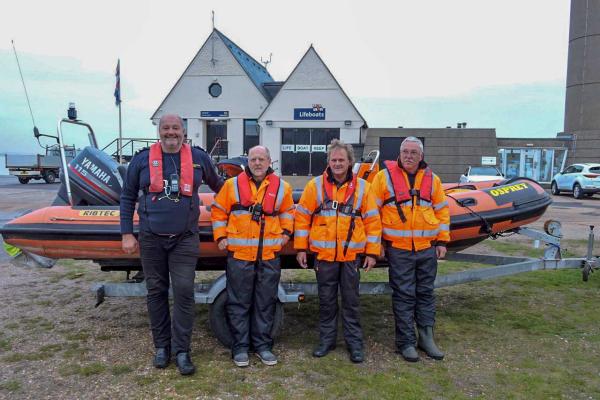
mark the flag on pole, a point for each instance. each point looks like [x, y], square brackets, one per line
[118, 84]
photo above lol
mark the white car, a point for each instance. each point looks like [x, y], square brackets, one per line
[481, 174]
[581, 179]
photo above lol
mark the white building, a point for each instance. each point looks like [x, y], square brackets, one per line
[225, 93]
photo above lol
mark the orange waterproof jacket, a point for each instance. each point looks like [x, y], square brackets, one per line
[426, 222]
[324, 230]
[245, 235]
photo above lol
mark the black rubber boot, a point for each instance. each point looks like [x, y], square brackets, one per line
[409, 353]
[427, 344]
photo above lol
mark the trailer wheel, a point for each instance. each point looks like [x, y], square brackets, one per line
[49, 176]
[24, 181]
[219, 323]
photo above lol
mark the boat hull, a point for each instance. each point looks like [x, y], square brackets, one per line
[93, 233]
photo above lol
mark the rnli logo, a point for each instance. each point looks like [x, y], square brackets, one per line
[99, 213]
[155, 163]
[508, 189]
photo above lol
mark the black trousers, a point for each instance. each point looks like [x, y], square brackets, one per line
[346, 275]
[175, 257]
[251, 299]
[412, 276]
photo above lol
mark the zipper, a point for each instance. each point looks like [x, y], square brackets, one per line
[260, 238]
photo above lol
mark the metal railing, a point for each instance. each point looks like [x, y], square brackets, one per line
[128, 147]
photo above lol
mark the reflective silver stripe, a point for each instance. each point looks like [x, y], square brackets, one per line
[390, 186]
[272, 242]
[219, 224]
[361, 193]
[409, 233]
[286, 216]
[242, 242]
[370, 213]
[279, 195]
[220, 207]
[324, 244]
[327, 213]
[404, 204]
[235, 188]
[241, 212]
[354, 245]
[440, 205]
[424, 203]
[302, 210]
[301, 233]
[254, 242]
[373, 239]
[319, 185]
[379, 202]
[444, 227]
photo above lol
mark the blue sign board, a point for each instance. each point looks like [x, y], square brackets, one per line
[214, 114]
[314, 113]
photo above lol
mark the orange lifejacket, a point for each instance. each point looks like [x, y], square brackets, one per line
[245, 192]
[402, 191]
[347, 207]
[186, 182]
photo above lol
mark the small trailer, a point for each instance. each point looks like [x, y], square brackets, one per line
[215, 295]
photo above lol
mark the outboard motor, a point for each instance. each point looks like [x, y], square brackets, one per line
[95, 178]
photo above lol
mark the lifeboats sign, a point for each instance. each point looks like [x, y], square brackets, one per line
[511, 193]
[317, 112]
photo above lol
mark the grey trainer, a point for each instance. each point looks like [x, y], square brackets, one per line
[241, 359]
[267, 357]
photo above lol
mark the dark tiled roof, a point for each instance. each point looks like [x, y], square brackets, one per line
[272, 88]
[254, 69]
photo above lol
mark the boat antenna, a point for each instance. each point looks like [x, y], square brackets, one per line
[36, 132]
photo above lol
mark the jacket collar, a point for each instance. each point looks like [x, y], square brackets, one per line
[329, 176]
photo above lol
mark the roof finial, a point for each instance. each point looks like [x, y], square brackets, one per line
[213, 19]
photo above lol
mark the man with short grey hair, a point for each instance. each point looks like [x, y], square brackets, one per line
[416, 227]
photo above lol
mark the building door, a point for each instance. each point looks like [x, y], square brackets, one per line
[304, 150]
[389, 148]
[216, 138]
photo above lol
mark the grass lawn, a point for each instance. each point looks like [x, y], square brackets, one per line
[529, 336]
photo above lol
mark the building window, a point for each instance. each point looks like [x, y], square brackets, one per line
[251, 134]
[215, 90]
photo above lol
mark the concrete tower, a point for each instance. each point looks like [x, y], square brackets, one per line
[582, 104]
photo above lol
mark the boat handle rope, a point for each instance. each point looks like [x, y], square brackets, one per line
[488, 228]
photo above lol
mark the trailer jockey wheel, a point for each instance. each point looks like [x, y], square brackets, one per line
[219, 324]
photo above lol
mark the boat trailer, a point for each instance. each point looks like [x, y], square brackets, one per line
[215, 296]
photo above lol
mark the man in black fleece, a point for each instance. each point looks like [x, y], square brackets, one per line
[168, 174]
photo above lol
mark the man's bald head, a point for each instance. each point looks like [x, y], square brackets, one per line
[168, 117]
[259, 161]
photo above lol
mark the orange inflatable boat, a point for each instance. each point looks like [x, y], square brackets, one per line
[90, 228]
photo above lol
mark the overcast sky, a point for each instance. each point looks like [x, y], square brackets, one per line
[390, 51]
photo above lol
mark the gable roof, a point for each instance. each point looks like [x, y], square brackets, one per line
[257, 73]
[328, 71]
[253, 69]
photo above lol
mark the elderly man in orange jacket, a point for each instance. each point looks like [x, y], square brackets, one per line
[252, 218]
[337, 219]
[416, 223]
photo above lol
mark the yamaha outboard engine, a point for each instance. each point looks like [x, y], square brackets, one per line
[95, 179]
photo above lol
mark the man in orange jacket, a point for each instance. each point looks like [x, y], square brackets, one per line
[416, 221]
[252, 218]
[337, 219]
